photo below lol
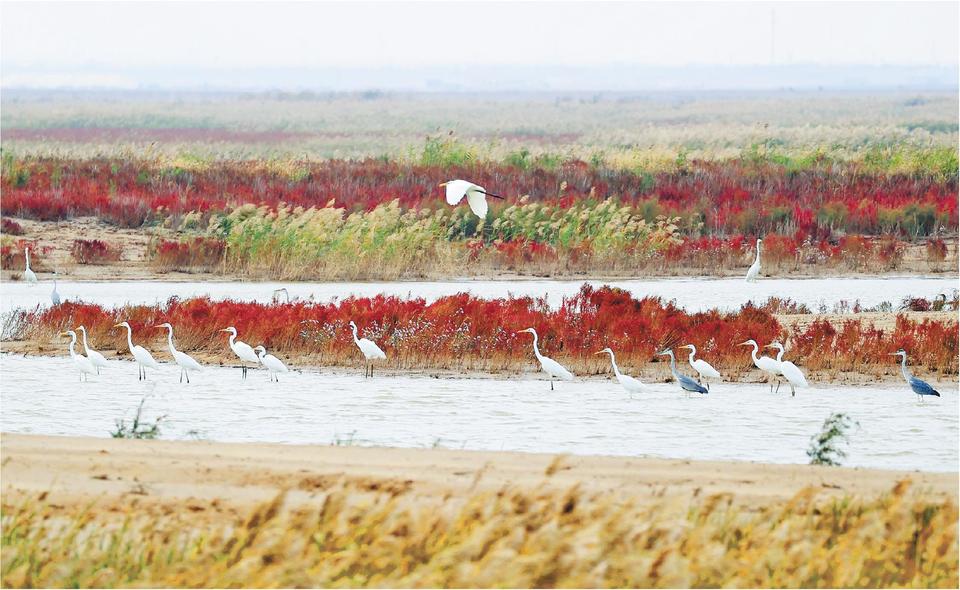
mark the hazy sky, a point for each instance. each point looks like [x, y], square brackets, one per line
[61, 35]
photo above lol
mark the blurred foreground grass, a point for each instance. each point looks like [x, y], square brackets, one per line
[381, 535]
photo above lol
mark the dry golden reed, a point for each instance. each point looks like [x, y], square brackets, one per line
[382, 535]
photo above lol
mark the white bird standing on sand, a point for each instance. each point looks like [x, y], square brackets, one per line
[629, 383]
[549, 366]
[754, 270]
[143, 357]
[185, 361]
[476, 195]
[81, 362]
[272, 363]
[686, 383]
[370, 350]
[95, 357]
[789, 370]
[243, 350]
[54, 296]
[701, 366]
[764, 363]
[919, 386]
[28, 274]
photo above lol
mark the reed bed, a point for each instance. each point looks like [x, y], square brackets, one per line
[466, 333]
[381, 535]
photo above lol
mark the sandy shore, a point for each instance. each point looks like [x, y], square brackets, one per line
[213, 477]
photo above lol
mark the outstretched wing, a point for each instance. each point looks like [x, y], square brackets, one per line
[456, 189]
[477, 201]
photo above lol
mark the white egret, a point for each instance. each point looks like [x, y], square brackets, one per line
[95, 357]
[142, 355]
[702, 367]
[919, 386]
[764, 363]
[631, 384]
[790, 371]
[54, 296]
[28, 274]
[754, 270]
[549, 366]
[185, 361]
[476, 195]
[81, 362]
[243, 350]
[686, 383]
[272, 363]
[370, 350]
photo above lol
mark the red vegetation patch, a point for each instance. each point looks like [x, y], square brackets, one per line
[13, 257]
[198, 254]
[464, 332]
[95, 252]
[145, 135]
[10, 227]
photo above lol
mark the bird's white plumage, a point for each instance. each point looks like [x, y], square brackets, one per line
[54, 295]
[184, 360]
[764, 363]
[702, 367]
[368, 347]
[754, 270]
[140, 354]
[95, 357]
[630, 384]
[243, 350]
[790, 371]
[81, 362]
[28, 274]
[476, 199]
[547, 364]
[272, 363]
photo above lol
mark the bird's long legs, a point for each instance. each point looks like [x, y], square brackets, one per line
[778, 386]
[551, 384]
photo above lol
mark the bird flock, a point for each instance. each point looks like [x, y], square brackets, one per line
[476, 197]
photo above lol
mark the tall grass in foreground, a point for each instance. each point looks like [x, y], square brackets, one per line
[380, 534]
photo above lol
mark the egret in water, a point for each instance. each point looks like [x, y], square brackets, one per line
[476, 195]
[919, 386]
[95, 357]
[28, 274]
[549, 366]
[702, 367]
[686, 383]
[754, 270]
[186, 362]
[142, 355]
[272, 363]
[243, 350]
[81, 362]
[54, 296]
[789, 370]
[764, 363]
[370, 350]
[629, 383]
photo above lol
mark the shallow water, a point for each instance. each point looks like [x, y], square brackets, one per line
[694, 294]
[734, 422]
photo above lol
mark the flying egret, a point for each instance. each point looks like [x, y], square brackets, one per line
[476, 195]
[272, 363]
[54, 296]
[370, 350]
[919, 386]
[754, 271]
[81, 362]
[629, 383]
[28, 274]
[764, 363]
[143, 357]
[702, 367]
[789, 370]
[185, 361]
[686, 383]
[243, 350]
[549, 366]
[95, 357]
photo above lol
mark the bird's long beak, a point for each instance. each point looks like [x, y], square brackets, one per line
[769, 346]
[64, 334]
[601, 352]
[442, 184]
[744, 344]
[159, 326]
[118, 325]
[224, 330]
[894, 354]
[491, 195]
